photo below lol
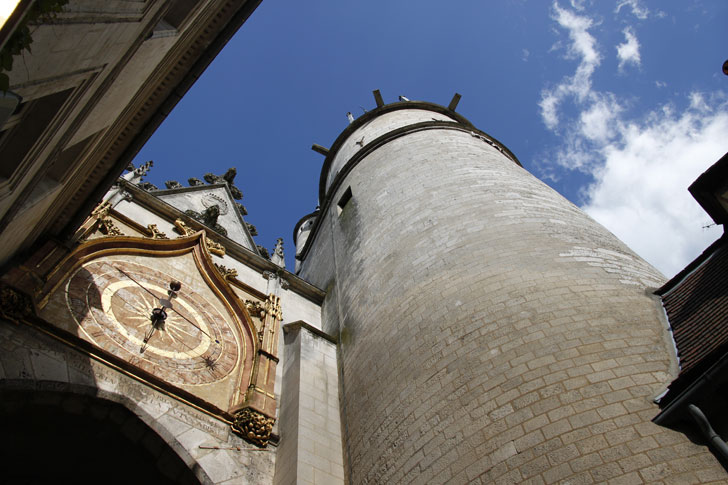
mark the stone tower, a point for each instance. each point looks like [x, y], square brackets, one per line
[488, 329]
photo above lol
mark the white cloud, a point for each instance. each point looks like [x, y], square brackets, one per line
[660, 84]
[640, 193]
[637, 10]
[583, 47]
[641, 167]
[525, 54]
[598, 122]
[629, 51]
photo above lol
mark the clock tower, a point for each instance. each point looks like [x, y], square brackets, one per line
[162, 308]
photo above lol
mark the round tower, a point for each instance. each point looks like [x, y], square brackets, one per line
[488, 329]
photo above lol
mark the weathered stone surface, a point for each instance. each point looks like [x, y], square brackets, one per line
[489, 329]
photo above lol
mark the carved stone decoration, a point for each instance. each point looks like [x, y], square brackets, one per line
[278, 256]
[270, 275]
[227, 178]
[182, 228]
[195, 182]
[215, 248]
[253, 230]
[226, 273]
[107, 227]
[211, 199]
[172, 184]
[148, 186]
[208, 218]
[102, 210]
[273, 307]
[13, 304]
[263, 251]
[255, 308]
[156, 233]
[143, 168]
[253, 426]
[241, 208]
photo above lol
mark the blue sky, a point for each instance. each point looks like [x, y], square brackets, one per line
[618, 105]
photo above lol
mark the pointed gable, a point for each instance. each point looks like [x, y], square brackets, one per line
[195, 201]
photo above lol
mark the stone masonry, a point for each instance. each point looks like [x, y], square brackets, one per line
[489, 331]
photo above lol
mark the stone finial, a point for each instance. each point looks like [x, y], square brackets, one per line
[226, 178]
[195, 182]
[253, 230]
[172, 184]
[263, 251]
[148, 186]
[241, 208]
[278, 256]
[135, 174]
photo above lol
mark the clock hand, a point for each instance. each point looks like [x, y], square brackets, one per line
[155, 296]
[135, 281]
[195, 325]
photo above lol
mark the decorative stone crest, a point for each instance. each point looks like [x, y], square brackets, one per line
[208, 218]
[13, 304]
[172, 184]
[255, 308]
[226, 273]
[107, 227]
[156, 233]
[182, 228]
[253, 230]
[241, 208]
[148, 186]
[195, 182]
[215, 248]
[253, 426]
[226, 178]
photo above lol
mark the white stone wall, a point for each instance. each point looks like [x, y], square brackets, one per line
[310, 447]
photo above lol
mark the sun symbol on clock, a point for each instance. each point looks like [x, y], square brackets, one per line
[173, 332]
[169, 329]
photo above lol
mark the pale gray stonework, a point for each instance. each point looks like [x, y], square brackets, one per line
[489, 330]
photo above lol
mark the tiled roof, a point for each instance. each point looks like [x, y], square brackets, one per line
[696, 304]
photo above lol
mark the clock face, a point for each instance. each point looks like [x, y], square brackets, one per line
[112, 300]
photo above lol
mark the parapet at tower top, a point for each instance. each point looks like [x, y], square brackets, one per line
[346, 150]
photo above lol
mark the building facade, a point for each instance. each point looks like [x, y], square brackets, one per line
[450, 318]
[100, 78]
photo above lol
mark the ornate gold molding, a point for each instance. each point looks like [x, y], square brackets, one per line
[215, 248]
[107, 227]
[253, 426]
[255, 308]
[156, 233]
[182, 228]
[226, 273]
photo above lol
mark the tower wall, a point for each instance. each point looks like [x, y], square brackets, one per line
[489, 329]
